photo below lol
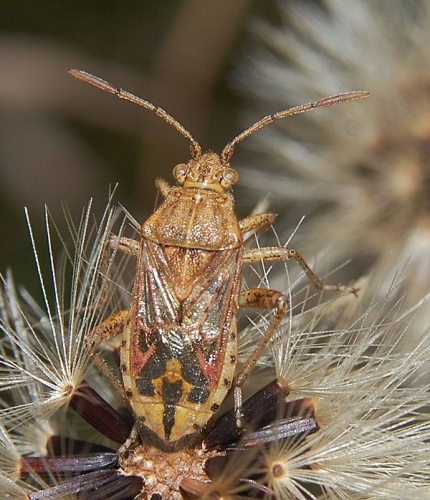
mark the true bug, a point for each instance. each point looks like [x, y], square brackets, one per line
[179, 338]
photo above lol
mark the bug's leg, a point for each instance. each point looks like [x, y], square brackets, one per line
[272, 254]
[109, 328]
[163, 187]
[261, 298]
[126, 245]
[256, 221]
[132, 440]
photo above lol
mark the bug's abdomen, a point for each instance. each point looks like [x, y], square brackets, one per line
[179, 353]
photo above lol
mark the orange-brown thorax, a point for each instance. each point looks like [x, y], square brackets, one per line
[200, 214]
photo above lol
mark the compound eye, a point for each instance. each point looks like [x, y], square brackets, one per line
[180, 173]
[230, 177]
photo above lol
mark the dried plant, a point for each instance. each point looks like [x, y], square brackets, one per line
[337, 407]
[361, 174]
[344, 418]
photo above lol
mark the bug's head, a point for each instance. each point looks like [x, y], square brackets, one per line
[207, 171]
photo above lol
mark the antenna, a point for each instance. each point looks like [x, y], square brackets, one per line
[228, 150]
[196, 150]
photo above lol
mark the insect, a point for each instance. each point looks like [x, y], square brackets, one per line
[179, 337]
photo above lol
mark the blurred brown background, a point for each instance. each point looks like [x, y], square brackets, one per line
[63, 142]
[359, 172]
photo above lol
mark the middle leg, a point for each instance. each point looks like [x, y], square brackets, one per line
[276, 254]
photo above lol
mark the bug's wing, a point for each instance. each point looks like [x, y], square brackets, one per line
[181, 351]
[187, 301]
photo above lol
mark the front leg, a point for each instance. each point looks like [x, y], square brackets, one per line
[126, 245]
[163, 187]
[256, 221]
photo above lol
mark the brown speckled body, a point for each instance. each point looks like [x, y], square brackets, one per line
[179, 339]
[179, 349]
